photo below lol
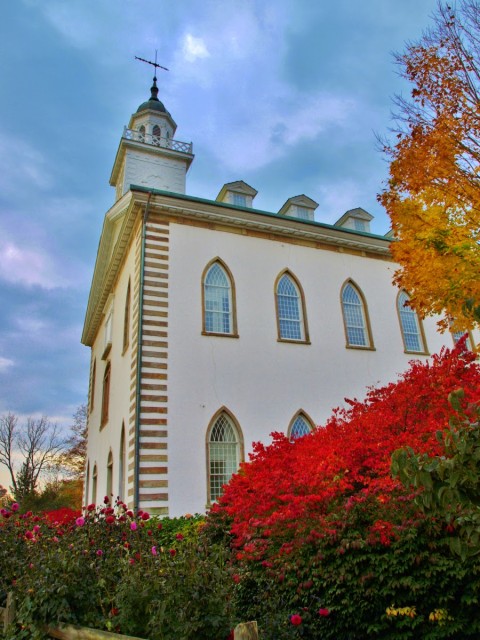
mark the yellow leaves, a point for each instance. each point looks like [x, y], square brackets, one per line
[433, 192]
[409, 612]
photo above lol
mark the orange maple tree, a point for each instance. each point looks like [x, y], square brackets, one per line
[433, 192]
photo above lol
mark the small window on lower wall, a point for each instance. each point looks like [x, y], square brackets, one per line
[410, 324]
[224, 452]
[300, 426]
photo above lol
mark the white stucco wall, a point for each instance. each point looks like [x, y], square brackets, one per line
[154, 171]
[103, 439]
[264, 382]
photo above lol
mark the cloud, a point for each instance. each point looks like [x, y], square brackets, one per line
[20, 164]
[27, 267]
[5, 364]
[194, 48]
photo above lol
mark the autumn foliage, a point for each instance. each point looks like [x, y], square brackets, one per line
[433, 193]
[320, 524]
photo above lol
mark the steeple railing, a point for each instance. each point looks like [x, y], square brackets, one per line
[157, 141]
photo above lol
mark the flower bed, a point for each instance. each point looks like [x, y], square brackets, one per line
[113, 570]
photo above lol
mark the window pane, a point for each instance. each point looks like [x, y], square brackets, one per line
[218, 307]
[289, 315]
[457, 335]
[223, 455]
[354, 315]
[410, 325]
[240, 200]
[299, 428]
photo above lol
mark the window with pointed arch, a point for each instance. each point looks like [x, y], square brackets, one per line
[218, 291]
[126, 320]
[109, 475]
[300, 426]
[290, 308]
[458, 335]
[94, 484]
[105, 395]
[92, 384]
[141, 133]
[122, 458]
[87, 482]
[355, 317]
[224, 452]
[410, 325]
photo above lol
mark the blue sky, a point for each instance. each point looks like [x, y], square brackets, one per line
[284, 94]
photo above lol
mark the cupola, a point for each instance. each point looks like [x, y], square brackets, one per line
[148, 155]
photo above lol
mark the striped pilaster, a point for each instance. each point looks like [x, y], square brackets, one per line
[153, 453]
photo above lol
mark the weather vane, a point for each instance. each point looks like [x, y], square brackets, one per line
[154, 64]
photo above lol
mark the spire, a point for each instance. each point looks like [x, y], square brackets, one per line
[154, 90]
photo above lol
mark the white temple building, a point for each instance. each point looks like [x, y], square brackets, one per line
[212, 324]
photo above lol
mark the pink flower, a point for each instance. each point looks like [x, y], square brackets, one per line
[295, 619]
[145, 516]
[133, 526]
[106, 500]
[99, 552]
[179, 536]
[131, 560]
[172, 552]
[80, 522]
[15, 506]
[91, 507]
[110, 519]
[54, 539]
[36, 528]
[323, 612]
[154, 551]
[28, 535]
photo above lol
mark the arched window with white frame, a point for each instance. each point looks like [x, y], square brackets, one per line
[224, 452]
[290, 308]
[109, 475]
[410, 325]
[94, 484]
[355, 317]
[156, 134]
[218, 291]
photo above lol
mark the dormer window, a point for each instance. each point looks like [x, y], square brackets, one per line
[239, 199]
[301, 207]
[355, 219]
[237, 193]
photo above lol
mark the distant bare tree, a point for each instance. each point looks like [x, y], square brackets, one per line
[72, 459]
[28, 451]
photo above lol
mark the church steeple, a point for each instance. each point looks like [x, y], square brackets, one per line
[148, 154]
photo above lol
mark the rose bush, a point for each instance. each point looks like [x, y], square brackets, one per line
[109, 568]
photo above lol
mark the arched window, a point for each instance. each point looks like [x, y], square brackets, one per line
[457, 335]
[410, 325]
[224, 452]
[92, 384]
[355, 318]
[126, 320]
[87, 482]
[106, 394]
[141, 133]
[109, 475]
[290, 307]
[218, 300]
[121, 464]
[94, 484]
[299, 426]
[156, 133]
